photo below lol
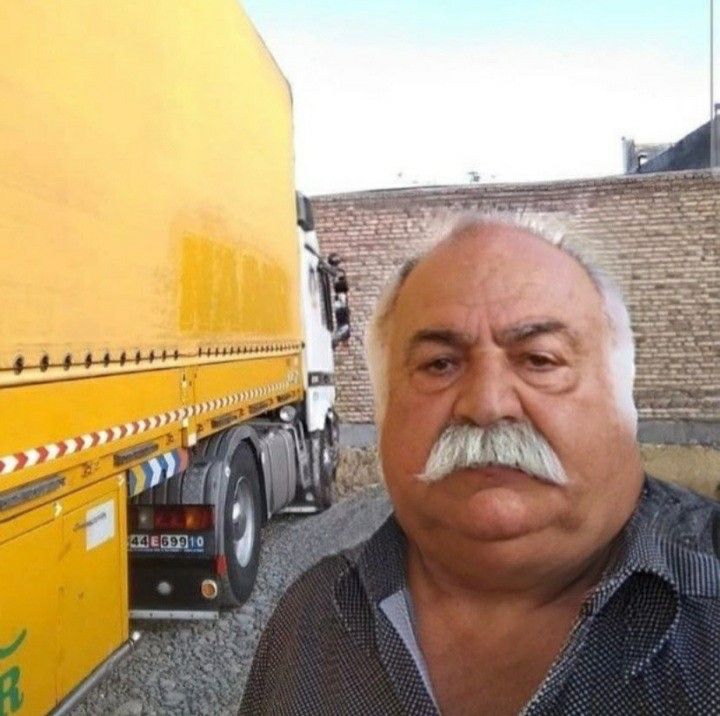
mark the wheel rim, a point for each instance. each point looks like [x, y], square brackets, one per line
[326, 460]
[243, 522]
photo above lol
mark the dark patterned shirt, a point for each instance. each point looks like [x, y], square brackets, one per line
[646, 641]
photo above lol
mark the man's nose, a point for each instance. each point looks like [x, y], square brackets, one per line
[488, 393]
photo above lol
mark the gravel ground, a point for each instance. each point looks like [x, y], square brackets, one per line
[200, 667]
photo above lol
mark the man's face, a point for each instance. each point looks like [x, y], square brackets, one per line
[499, 325]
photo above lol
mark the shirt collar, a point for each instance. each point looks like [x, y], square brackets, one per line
[663, 538]
[381, 564]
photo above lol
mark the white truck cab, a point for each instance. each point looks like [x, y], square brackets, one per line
[326, 322]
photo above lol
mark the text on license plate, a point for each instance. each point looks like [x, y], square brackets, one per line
[169, 543]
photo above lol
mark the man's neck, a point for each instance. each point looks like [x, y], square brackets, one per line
[438, 583]
[515, 634]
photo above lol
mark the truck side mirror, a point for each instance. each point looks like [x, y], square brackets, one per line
[341, 284]
[342, 325]
[342, 316]
[303, 207]
[341, 334]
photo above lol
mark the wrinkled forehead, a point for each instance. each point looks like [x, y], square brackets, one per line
[498, 275]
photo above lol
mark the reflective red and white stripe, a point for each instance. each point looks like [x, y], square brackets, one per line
[53, 451]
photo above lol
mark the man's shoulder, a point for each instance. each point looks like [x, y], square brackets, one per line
[314, 595]
[318, 651]
[363, 572]
[316, 585]
[326, 571]
[683, 517]
[685, 527]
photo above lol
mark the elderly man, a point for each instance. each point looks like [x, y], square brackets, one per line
[529, 566]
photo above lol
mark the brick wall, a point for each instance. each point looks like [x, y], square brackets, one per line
[658, 235]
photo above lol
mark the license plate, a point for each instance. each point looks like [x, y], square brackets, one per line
[166, 543]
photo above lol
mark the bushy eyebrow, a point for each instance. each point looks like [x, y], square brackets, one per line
[446, 336]
[506, 337]
[525, 331]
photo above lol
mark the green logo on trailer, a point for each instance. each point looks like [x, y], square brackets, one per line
[11, 698]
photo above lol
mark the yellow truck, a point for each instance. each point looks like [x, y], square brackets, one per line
[166, 328]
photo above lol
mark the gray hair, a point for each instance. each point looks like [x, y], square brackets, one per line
[504, 443]
[555, 233]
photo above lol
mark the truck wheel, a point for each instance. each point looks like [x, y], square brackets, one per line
[327, 465]
[242, 517]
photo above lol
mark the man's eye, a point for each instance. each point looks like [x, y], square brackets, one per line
[540, 361]
[439, 366]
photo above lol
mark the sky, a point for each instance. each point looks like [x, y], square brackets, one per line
[399, 93]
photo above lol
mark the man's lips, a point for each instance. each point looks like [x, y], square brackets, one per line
[499, 475]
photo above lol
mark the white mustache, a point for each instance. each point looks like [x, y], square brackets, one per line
[504, 443]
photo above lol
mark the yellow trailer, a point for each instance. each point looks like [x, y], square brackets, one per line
[165, 333]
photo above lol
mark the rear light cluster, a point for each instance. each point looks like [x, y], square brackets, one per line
[193, 518]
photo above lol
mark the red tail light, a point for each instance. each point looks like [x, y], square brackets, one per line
[221, 565]
[195, 518]
[168, 518]
[198, 517]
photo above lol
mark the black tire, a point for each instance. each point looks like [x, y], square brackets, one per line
[327, 466]
[241, 511]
